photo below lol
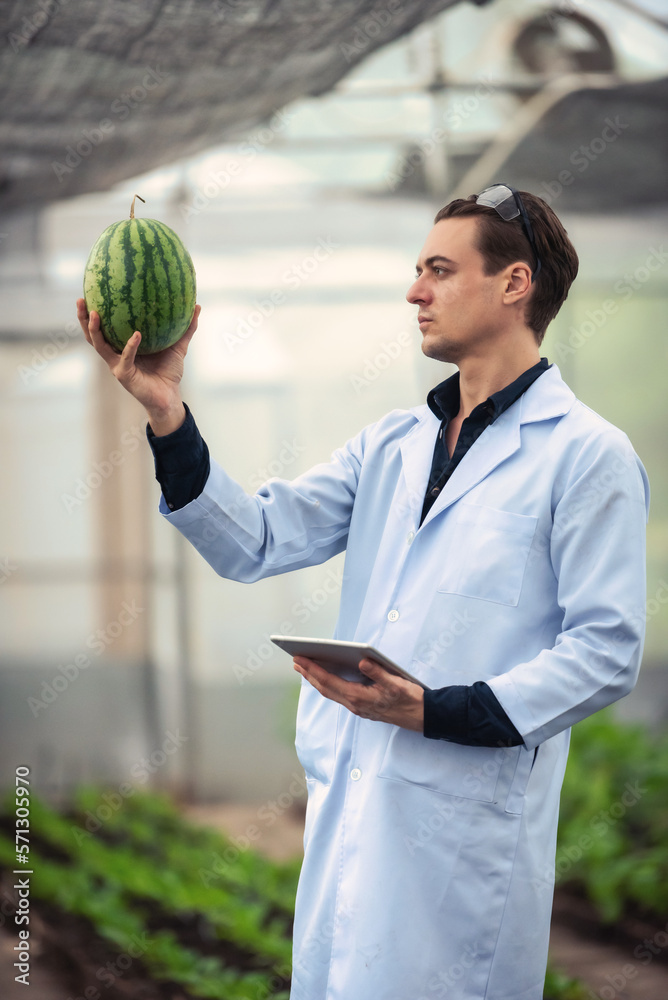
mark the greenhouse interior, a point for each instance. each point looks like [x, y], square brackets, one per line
[146, 715]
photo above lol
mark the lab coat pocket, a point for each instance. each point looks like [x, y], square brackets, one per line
[463, 771]
[487, 553]
[520, 779]
[315, 740]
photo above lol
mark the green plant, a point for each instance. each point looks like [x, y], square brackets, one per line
[141, 870]
[613, 830]
[561, 987]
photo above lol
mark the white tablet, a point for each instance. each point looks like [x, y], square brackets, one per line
[340, 657]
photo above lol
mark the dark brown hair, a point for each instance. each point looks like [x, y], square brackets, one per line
[502, 243]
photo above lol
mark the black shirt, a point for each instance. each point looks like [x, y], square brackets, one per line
[444, 402]
[461, 713]
[467, 713]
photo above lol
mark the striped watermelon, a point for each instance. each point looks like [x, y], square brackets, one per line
[139, 276]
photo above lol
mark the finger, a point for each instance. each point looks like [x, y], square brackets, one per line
[372, 669]
[382, 676]
[193, 322]
[184, 341]
[125, 368]
[311, 670]
[376, 674]
[96, 338]
[325, 682]
[326, 677]
[308, 664]
[308, 676]
[82, 316]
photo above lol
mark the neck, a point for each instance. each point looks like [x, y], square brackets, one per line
[481, 377]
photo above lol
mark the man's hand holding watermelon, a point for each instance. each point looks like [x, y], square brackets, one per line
[153, 379]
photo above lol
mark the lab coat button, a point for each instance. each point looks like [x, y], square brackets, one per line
[409, 537]
[392, 616]
[356, 774]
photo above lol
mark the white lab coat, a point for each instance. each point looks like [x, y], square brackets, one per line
[428, 868]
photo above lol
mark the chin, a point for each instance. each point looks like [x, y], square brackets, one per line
[442, 350]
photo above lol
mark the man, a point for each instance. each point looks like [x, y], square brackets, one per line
[495, 542]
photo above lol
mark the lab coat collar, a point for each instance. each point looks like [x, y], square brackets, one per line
[547, 398]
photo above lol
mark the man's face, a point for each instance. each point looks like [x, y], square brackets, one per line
[460, 308]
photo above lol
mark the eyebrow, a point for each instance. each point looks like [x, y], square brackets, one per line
[430, 261]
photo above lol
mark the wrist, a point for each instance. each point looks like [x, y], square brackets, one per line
[167, 420]
[419, 712]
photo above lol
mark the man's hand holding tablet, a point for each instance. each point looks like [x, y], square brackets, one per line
[358, 677]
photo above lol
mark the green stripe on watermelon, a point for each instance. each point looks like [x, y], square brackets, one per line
[182, 265]
[160, 271]
[178, 261]
[139, 276]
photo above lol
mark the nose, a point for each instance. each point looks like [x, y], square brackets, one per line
[418, 293]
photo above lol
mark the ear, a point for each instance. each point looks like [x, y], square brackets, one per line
[517, 282]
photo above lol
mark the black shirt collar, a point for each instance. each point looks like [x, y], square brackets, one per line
[443, 399]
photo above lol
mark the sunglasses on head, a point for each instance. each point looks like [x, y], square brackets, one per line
[506, 201]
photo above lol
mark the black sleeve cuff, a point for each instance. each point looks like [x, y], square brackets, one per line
[468, 714]
[182, 463]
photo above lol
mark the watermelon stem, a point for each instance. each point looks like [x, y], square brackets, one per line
[132, 206]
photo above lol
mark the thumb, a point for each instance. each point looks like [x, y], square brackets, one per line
[371, 668]
[184, 342]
